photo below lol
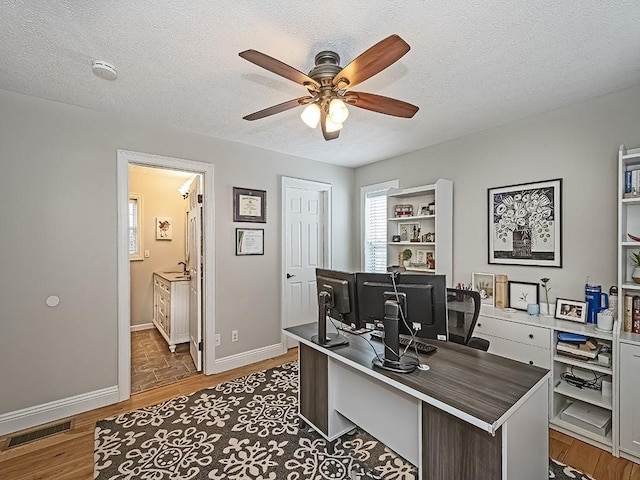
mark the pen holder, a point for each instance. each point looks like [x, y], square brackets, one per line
[533, 309]
[605, 321]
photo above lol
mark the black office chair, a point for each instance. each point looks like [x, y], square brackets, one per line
[463, 307]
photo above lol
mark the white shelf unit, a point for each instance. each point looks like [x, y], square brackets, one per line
[628, 353]
[439, 224]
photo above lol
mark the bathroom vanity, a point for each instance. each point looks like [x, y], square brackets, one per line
[171, 307]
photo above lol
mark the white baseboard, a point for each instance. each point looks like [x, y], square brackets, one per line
[247, 358]
[50, 412]
[142, 326]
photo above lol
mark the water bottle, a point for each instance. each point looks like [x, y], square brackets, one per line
[593, 296]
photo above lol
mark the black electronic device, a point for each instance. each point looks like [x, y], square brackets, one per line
[337, 300]
[406, 341]
[403, 303]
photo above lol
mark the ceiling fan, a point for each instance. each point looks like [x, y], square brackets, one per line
[328, 84]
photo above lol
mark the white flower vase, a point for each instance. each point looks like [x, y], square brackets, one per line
[546, 310]
[635, 275]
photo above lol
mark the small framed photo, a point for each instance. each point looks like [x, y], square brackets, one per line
[423, 209]
[164, 228]
[249, 205]
[571, 310]
[408, 231]
[249, 241]
[522, 294]
[484, 284]
[421, 257]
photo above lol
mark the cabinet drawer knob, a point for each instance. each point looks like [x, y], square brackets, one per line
[478, 325]
[531, 335]
[530, 362]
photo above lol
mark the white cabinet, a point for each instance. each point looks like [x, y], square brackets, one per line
[629, 399]
[532, 339]
[427, 232]
[519, 341]
[171, 308]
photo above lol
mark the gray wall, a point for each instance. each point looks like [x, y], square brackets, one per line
[58, 231]
[578, 143]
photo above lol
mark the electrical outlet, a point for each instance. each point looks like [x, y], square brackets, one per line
[217, 339]
[234, 336]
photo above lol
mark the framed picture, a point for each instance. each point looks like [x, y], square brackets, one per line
[522, 294]
[525, 224]
[485, 285]
[421, 257]
[249, 241]
[571, 310]
[408, 231]
[249, 205]
[164, 228]
[423, 209]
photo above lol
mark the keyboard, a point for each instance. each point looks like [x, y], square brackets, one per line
[422, 347]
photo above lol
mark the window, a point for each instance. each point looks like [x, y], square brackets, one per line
[374, 225]
[135, 227]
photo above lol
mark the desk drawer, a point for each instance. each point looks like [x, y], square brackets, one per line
[521, 352]
[162, 284]
[518, 332]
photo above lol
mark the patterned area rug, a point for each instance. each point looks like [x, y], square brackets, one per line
[243, 429]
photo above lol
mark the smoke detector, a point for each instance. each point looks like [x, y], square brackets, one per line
[104, 70]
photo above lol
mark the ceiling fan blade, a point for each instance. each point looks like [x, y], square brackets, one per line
[380, 104]
[279, 68]
[281, 107]
[372, 61]
[323, 123]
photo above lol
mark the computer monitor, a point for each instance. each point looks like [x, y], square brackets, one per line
[336, 299]
[403, 303]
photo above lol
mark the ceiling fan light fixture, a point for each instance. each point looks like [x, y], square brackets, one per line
[311, 115]
[338, 111]
[331, 126]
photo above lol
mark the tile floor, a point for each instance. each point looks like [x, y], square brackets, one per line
[153, 364]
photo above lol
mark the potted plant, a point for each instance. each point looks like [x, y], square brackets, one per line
[406, 256]
[634, 257]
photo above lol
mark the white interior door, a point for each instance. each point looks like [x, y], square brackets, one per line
[194, 264]
[305, 233]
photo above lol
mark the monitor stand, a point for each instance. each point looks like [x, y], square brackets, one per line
[392, 361]
[324, 339]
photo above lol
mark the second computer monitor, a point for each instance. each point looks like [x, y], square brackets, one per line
[341, 290]
[422, 299]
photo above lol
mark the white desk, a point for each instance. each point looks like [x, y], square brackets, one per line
[473, 415]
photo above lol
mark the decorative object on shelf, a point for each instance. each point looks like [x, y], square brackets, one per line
[406, 256]
[502, 296]
[406, 231]
[634, 257]
[533, 309]
[432, 208]
[249, 241]
[525, 225]
[249, 205]
[633, 237]
[164, 228]
[395, 238]
[415, 234]
[545, 285]
[571, 310]
[522, 294]
[605, 321]
[484, 284]
[423, 209]
[404, 210]
[421, 257]
[431, 261]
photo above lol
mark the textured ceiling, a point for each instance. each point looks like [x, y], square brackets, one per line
[473, 64]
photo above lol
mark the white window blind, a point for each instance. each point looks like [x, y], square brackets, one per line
[135, 227]
[374, 208]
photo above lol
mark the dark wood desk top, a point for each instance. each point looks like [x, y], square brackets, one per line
[475, 383]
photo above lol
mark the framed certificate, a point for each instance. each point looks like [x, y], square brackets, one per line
[249, 205]
[249, 241]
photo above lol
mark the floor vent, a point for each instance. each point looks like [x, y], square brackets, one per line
[38, 434]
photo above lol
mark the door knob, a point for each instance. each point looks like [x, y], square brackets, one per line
[290, 276]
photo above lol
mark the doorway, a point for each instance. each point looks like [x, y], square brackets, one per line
[306, 245]
[161, 201]
[201, 170]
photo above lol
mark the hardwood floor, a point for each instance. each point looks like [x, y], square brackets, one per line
[69, 455]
